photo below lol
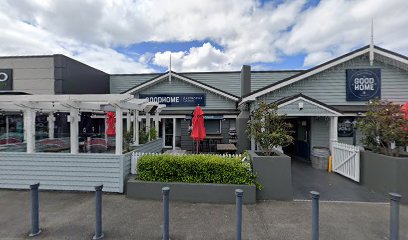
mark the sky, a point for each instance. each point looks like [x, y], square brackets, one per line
[138, 36]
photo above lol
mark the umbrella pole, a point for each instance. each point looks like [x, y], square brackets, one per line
[198, 143]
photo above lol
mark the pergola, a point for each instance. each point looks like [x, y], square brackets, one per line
[74, 104]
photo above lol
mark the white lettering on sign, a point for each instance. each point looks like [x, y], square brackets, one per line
[362, 84]
[3, 77]
[164, 99]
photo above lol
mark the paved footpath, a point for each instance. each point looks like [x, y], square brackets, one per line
[68, 215]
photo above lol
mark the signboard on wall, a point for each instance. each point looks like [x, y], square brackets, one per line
[345, 126]
[363, 84]
[6, 79]
[177, 99]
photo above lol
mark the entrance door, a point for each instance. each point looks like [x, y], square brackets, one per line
[168, 137]
[301, 134]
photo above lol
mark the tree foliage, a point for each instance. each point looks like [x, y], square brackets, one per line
[268, 128]
[384, 125]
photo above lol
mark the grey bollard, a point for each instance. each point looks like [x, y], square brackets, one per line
[315, 214]
[394, 215]
[98, 213]
[166, 192]
[238, 204]
[35, 216]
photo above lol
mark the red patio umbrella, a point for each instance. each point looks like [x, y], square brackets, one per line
[111, 121]
[198, 132]
[404, 109]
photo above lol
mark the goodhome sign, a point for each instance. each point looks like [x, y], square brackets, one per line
[6, 79]
[363, 84]
[176, 100]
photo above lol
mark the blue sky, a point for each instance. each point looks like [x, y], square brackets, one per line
[138, 36]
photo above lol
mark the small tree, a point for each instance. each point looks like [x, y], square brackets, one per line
[127, 138]
[383, 125]
[268, 128]
[153, 134]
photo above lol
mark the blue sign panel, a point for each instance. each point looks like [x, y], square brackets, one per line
[6, 79]
[177, 99]
[363, 84]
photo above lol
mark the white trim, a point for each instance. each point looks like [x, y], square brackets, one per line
[390, 55]
[253, 97]
[151, 82]
[334, 113]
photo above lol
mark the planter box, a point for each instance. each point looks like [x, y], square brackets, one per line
[384, 174]
[190, 192]
[274, 173]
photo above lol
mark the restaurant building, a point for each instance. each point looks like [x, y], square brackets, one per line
[322, 103]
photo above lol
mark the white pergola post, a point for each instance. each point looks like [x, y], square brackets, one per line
[29, 129]
[128, 119]
[252, 144]
[51, 125]
[156, 123]
[174, 133]
[73, 120]
[119, 131]
[136, 127]
[333, 131]
[148, 125]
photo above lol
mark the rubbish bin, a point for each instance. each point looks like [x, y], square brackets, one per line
[320, 158]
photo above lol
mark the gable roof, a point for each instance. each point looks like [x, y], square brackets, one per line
[185, 79]
[324, 66]
[288, 100]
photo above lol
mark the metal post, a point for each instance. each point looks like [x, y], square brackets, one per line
[394, 216]
[165, 192]
[35, 216]
[98, 216]
[315, 214]
[238, 205]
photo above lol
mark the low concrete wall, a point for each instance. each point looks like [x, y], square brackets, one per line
[64, 171]
[189, 192]
[384, 174]
[274, 173]
[155, 146]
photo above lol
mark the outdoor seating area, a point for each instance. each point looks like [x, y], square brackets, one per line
[69, 123]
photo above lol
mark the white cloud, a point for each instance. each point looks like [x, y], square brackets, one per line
[204, 58]
[247, 31]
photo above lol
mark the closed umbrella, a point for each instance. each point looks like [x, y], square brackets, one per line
[198, 132]
[111, 121]
[404, 109]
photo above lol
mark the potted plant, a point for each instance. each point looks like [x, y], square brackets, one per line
[273, 169]
[385, 133]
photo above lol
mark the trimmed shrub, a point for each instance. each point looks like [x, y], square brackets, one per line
[194, 169]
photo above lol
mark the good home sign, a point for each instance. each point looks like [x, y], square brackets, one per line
[363, 84]
[6, 79]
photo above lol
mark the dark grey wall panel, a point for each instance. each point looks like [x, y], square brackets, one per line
[73, 77]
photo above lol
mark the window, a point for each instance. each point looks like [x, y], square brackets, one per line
[212, 126]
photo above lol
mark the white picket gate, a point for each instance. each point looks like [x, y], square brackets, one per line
[346, 160]
[137, 155]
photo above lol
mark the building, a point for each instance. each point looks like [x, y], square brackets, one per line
[48, 74]
[322, 102]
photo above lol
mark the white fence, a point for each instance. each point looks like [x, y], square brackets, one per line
[137, 155]
[346, 160]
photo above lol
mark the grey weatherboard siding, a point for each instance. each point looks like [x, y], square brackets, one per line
[213, 101]
[329, 86]
[226, 81]
[60, 171]
[34, 75]
[308, 108]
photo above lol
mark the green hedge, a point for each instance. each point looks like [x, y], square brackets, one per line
[194, 169]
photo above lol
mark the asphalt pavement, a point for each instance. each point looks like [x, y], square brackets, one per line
[71, 215]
